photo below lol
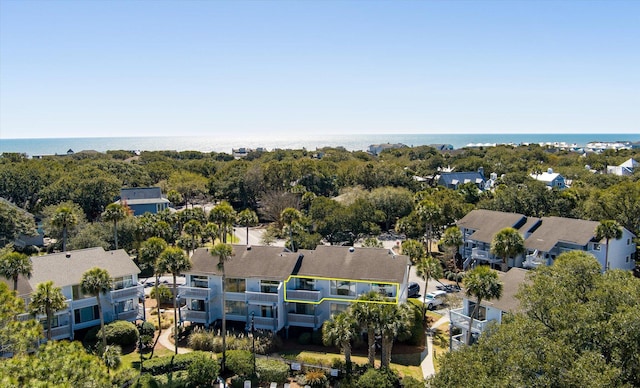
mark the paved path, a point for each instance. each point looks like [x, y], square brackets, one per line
[428, 369]
[166, 342]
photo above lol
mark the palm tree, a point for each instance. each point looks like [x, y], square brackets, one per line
[291, 218]
[340, 330]
[224, 252]
[428, 268]
[395, 321]
[367, 313]
[64, 218]
[193, 228]
[414, 249]
[247, 218]
[47, 299]
[97, 281]
[115, 212]
[481, 283]
[150, 251]
[210, 231]
[429, 213]
[224, 216]
[174, 261]
[14, 264]
[608, 229]
[452, 239]
[507, 243]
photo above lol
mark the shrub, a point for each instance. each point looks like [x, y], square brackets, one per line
[146, 381]
[201, 340]
[316, 379]
[374, 378]
[146, 331]
[240, 362]
[412, 382]
[203, 370]
[304, 339]
[121, 333]
[166, 364]
[123, 377]
[272, 370]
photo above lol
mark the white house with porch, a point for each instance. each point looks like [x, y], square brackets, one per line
[489, 312]
[282, 289]
[123, 302]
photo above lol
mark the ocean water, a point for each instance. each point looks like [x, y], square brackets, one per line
[53, 146]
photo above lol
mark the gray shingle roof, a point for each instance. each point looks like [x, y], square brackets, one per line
[511, 282]
[268, 262]
[487, 223]
[66, 268]
[556, 229]
[265, 262]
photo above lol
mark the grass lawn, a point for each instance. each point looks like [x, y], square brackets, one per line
[326, 359]
[440, 345]
[132, 359]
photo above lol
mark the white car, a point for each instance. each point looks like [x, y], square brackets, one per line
[434, 298]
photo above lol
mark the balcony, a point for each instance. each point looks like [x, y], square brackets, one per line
[130, 315]
[458, 342]
[305, 320]
[187, 292]
[61, 332]
[261, 297]
[459, 319]
[478, 254]
[127, 293]
[304, 295]
[264, 323]
[193, 316]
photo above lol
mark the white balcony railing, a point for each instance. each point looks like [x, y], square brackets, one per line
[461, 320]
[301, 319]
[458, 342]
[60, 332]
[264, 323]
[193, 316]
[195, 292]
[306, 295]
[130, 315]
[127, 293]
[261, 297]
[479, 254]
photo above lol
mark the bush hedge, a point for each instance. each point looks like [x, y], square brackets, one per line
[166, 364]
[121, 333]
[240, 362]
[272, 370]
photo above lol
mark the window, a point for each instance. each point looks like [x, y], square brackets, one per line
[304, 309]
[343, 288]
[54, 322]
[383, 289]
[481, 314]
[266, 311]
[78, 294]
[124, 306]
[337, 308]
[235, 307]
[627, 259]
[234, 285]
[306, 284]
[196, 305]
[122, 282]
[86, 314]
[628, 241]
[269, 286]
[199, 281]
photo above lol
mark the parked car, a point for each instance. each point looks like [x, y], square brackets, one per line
[413, 290]
[435, 298]
[448, 287]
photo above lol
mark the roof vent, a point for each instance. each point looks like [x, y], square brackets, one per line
[352, 249]
[550, 170]
[68, 255]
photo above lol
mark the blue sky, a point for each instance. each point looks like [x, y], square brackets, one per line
[143, 68]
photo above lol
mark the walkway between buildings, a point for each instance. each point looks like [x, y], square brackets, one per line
[428, 369]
